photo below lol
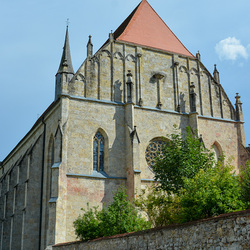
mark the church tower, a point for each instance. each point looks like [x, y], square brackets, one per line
[65, 71]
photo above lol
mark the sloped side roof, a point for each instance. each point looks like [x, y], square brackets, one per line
[145, 27]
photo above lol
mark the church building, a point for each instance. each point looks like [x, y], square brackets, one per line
[105, 127]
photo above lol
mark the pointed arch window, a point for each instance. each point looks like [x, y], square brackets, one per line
[216, 148]
[98, 152]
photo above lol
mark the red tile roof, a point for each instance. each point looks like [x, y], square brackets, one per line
[145, 27]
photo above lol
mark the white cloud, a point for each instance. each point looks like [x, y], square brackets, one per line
[230, 49]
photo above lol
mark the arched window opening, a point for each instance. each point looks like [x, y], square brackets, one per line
[154, 150]
[98, 152]
[217, 151]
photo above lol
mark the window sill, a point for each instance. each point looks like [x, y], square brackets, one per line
[53, 199]
[95, 175]
[56, 165]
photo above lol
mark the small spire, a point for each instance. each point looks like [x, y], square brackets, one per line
[111, 36]
[66, 64]
[216, 74]
[237, 97]
[238, 107]
[198, 55]
[89, 47]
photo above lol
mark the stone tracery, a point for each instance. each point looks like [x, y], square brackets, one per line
[154, 150]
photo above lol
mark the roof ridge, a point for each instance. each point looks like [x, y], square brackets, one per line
[136, 13]
[128, 19]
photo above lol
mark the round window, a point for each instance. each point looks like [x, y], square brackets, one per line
[154, 150]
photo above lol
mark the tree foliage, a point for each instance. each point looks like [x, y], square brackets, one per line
[192, 185]
[245, 184]
[161, 209]
[182, 158]
[210, 193]
[87, 226]
[119, 217]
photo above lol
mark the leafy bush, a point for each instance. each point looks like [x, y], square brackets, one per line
[119, 217]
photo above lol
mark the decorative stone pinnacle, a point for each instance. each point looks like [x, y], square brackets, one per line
[90, 42]
[89, 48]
[237, 97]
[215, 68]
[111, 36]
[198, 55]
[216, 74]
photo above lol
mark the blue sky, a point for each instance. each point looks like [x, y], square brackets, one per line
[32, 37]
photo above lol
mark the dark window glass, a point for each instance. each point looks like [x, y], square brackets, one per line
[98, 152]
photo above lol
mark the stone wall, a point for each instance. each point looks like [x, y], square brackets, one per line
[23, 219]
[103, 77]
[229, 231]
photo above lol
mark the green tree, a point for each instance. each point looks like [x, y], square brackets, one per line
[119, 217]
[161, 209]
[210, 193]
[192, 185]
[182, 158]
[245, 184]
[87, 226]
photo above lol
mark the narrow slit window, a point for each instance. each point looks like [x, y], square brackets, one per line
[98, 152]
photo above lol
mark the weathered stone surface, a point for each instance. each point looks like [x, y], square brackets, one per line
[215, 233]
[58, 150]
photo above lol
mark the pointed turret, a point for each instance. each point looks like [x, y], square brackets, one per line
[66, 64]
[216, 74]
[65, 71]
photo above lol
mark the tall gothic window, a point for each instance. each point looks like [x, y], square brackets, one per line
[98, 152]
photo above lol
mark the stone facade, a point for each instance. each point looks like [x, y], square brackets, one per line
[131, 94]
[229, 231]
